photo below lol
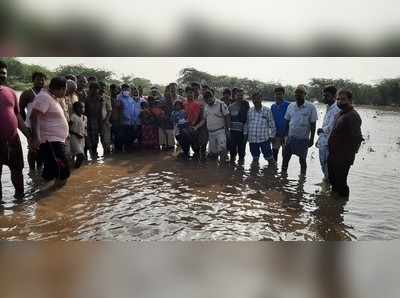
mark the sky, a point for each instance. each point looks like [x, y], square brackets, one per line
[284, 70]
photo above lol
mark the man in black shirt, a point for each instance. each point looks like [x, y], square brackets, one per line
[344, 142]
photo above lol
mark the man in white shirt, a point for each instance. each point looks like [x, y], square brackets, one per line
[301, 117]
[216, 116]
[329, 94]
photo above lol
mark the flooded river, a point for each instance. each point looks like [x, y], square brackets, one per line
[152, 196]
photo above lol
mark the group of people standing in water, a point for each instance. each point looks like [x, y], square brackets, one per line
[65, 120]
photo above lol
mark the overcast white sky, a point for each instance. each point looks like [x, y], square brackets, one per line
[292, 70]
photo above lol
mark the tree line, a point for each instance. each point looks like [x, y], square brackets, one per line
[384, 93]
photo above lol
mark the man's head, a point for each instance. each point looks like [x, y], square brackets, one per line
[134, 91]
[38, 80]
[71, 77]
[240, 94]
[82, 82]
[300, 94]
[79, 107]
[71, 87]
[345, 99]
[257, 99]
[205, 88]
[140, 90]
[196, 89]
[178, 105]
[94, 89]
[103, 87]
[209, 97]
[181, 91]
[279, 93]
[189, 92]
[227, 94]
[125, 90]
[154, 92]
[114, 89]
[92, 79]
[58, 86]
[3, 73]
[173, 89]
[329, 94]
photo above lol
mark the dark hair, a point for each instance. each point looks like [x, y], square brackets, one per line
[256, 94]
[330, 89]
[194, 84]
[38, 74]
[94, 85]
[347, 93]
[58, 83]
[208, 94]
[279, 89]
[3, 64]
[188, 89]
[227, 91]
[71, 77]
[125, 86]
[92, 78]
[76, 105]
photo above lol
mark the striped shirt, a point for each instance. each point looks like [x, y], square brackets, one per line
[260, 125]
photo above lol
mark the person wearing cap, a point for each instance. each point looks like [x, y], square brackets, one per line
[301, 117]
[216, 117]
[238, 111]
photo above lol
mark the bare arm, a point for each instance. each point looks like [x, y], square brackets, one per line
[35, 128]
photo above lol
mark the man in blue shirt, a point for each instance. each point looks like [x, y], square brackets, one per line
[129, 110]
[278, 110]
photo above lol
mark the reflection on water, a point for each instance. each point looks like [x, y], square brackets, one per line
[151, 196]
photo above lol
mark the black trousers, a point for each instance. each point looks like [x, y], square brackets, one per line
[184, 142]
[237, 144]
[338, 171]
[55, 162]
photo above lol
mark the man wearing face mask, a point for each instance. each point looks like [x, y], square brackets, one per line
[344, 142]
[129, 111]
[329, 94]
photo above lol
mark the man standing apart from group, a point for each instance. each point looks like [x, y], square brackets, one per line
[301, 118]
[260, 129]
[278, 110]
[25, 106]
[329, 94]
[10, 144]
[344, 142]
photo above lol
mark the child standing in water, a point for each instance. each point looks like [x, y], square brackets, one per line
[78, 132]
[182, 132]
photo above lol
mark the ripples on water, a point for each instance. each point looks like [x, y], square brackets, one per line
[151, 196]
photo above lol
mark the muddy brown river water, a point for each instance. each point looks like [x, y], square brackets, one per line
[152, 196]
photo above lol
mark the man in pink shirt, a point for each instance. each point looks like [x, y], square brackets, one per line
[50, 130]
[10, 145]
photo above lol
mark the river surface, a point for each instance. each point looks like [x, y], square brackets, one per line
[148, 195]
